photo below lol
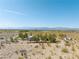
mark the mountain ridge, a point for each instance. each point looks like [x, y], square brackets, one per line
[39, 28]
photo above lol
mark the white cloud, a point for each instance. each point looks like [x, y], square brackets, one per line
[14, 12]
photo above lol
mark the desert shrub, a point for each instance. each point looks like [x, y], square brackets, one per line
[11, 39]
[57, 46]
[62, 35]
[52, 38]
[25, 35]
[67, 43]
[20, 57]
[49, 57]
[60, 57]
[33, 54]
[36, 46]
[49, 44]
[16, 52]
[22, 36]
[14, 39]
[73, 48]
[43, 38]
[77, 56]
[42, 53]
[65, 50]
[35, 38]
[77, 46]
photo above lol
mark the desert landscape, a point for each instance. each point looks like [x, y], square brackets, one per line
[39, 29]
[35, 44]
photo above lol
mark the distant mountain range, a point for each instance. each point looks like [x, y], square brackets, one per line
[39, 28]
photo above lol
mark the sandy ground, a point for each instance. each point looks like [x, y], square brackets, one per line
[40, 50]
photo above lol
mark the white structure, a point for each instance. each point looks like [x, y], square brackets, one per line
[30, 37]
[67, 38]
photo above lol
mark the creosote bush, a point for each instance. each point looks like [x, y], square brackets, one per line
[65, 50]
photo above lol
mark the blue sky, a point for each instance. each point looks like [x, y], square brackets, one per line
[39, 13]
